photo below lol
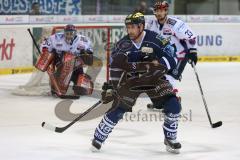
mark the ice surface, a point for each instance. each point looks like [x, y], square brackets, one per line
[23, 138]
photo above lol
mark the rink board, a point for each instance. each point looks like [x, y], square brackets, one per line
[217, 42]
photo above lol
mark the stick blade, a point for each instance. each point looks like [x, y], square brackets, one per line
[217, 124]
[48, 126]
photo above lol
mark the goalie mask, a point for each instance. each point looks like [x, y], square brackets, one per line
[70, 33]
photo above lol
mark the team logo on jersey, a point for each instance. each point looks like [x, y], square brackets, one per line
[167, 31]
[147, 50]
[134, 65]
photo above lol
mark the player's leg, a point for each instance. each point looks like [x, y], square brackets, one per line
[111, 118]
[106, 125]
[172, 109]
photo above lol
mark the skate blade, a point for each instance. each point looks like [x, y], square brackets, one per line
[155, 110]
[94, 149]
[171, 150]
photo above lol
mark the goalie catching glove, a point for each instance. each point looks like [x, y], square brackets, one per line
[87, 57]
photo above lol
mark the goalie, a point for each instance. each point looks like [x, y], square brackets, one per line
[63, 56]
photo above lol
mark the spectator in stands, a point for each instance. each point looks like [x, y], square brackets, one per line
[35, 9]
[143, 8]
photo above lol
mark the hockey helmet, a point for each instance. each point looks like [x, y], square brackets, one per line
[70, 32]
[161, 5]
[135, 18]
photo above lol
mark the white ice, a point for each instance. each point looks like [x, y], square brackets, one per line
[23, 138]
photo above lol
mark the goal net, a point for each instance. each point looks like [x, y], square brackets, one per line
[38, 83]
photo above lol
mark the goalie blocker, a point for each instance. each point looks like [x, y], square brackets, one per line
[44, 60]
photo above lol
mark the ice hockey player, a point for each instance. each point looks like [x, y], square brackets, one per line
[181, 37]
[139, 64]
[63, 56]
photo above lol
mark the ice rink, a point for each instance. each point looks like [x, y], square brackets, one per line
[135, 137]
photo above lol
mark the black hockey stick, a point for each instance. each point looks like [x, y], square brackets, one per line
[34, 41]
[213, 125]
[62, 129]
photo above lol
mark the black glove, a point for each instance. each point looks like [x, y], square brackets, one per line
[83, 51]
[107, 93]
[87, 57]
[192, 57]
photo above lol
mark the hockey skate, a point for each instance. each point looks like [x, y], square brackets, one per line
[96, 146]
[172, 146]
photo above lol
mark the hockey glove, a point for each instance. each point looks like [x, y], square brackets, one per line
[87, 57]
[192, 57]
[107, 93]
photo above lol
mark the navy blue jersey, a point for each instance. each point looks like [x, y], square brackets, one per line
[153, 46]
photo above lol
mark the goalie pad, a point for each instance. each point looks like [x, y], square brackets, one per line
[84, 85]
[61, 78]
[44, 60]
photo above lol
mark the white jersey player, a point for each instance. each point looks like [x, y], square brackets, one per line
[181, 36]
[67, 42]
[65, 54]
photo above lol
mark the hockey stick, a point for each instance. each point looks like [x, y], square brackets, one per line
[213, 125]
[62, 129]
[34, 41]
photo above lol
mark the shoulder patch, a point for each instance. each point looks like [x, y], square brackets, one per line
[164, 41]
[171, 21]
[124, 45]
